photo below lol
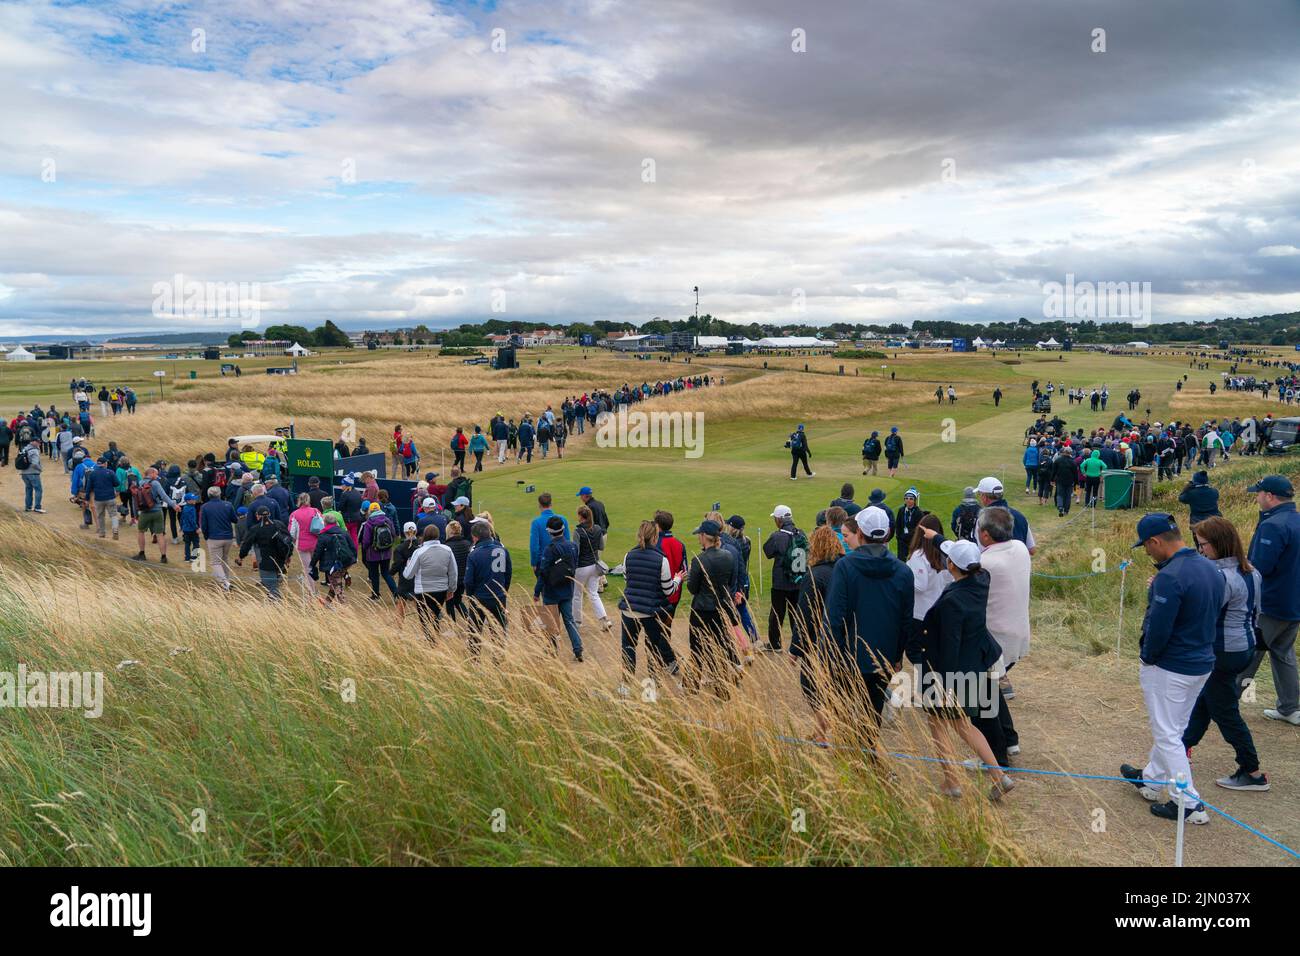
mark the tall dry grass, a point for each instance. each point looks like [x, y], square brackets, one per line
[239, 709]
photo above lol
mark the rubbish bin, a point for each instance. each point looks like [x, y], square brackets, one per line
[1117, 489]
[193, 374]
[1142, 481]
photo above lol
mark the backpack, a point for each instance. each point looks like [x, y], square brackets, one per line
[560, 569]
[280, 546]
[796, 441]
[381, 539]
[339, 553]
[871, 448]
[891, 444]
[967, 516]
[219, 478]
[317, 524]
[794, 560]
[24, 433]
[141, 494]
[22, 462]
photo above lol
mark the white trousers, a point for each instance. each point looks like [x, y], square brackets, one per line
[588, 579]
[501, 451]
[1169, 698]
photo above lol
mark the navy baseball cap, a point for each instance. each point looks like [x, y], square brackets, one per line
[736, 521]
[708, 527]
[1154, 524]
[1274, 485]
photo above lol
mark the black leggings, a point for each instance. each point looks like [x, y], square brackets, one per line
[782, 599]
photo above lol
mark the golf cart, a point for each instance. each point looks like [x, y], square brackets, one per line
[1284, 437]
[1043, 404]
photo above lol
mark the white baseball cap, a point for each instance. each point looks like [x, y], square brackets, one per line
[427, 503]
[781, 511]
[989, 486]
[873, 523]
[962, 553]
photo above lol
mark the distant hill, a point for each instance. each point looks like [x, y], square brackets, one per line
[172, 338]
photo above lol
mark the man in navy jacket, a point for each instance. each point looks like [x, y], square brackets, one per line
[217, 522]
[1177, 653]
[487, 575]
[868, 608]
[1275, 553]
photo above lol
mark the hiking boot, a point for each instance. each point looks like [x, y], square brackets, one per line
[1293, 719]
[1169, 811]
[162, 559]
[1244, 781]
[139, 556]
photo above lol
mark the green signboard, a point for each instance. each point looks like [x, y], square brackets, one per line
[311, 456]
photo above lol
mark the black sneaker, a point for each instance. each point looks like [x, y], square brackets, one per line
[162, 559]
[577, 658]
[1244, 781]
[1134, 776]
[139, 557]
[1169, 811]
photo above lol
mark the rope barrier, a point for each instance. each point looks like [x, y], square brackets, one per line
[1032, 771]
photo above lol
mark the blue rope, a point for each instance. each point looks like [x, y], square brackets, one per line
[1027, 770]
[1075, 577]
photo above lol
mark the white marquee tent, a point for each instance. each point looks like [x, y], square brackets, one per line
[20, 354]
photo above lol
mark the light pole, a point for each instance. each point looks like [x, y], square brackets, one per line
[697, 303]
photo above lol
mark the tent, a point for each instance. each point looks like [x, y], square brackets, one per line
[791, 342]
[296, 350]
[20, 354]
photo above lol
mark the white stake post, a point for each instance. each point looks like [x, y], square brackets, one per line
[1181, 783]
[1123, 577]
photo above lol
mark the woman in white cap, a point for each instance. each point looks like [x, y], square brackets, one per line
[957, 653]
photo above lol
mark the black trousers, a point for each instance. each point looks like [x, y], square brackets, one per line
[659, 651]
[429, 608]
[4, 454]
[1009, 736]
[1090, 488]
[459, 460]
[478, 461]
[795, 458]
[783, 599]
[1218, 702]
[711, 650]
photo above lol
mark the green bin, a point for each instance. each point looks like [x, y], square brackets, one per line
[193, 374]
[1117, 489]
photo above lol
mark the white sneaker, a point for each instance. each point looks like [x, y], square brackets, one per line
[812, 474]
[1293, 719]
[1013, 750]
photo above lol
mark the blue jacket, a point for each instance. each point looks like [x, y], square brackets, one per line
[526, 434]
[190, 518]
[217, 520]
[1202, 500]
[103, 484]
[427, 518]
[482, 583]
[1019, 523]
[77, 475]
[562, 592]
[1031, 456]
[869, 609]
[643, 590]
[539, 537]
[1182, 615]
[1275, 552]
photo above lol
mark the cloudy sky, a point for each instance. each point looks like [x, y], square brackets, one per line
[395, 161]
